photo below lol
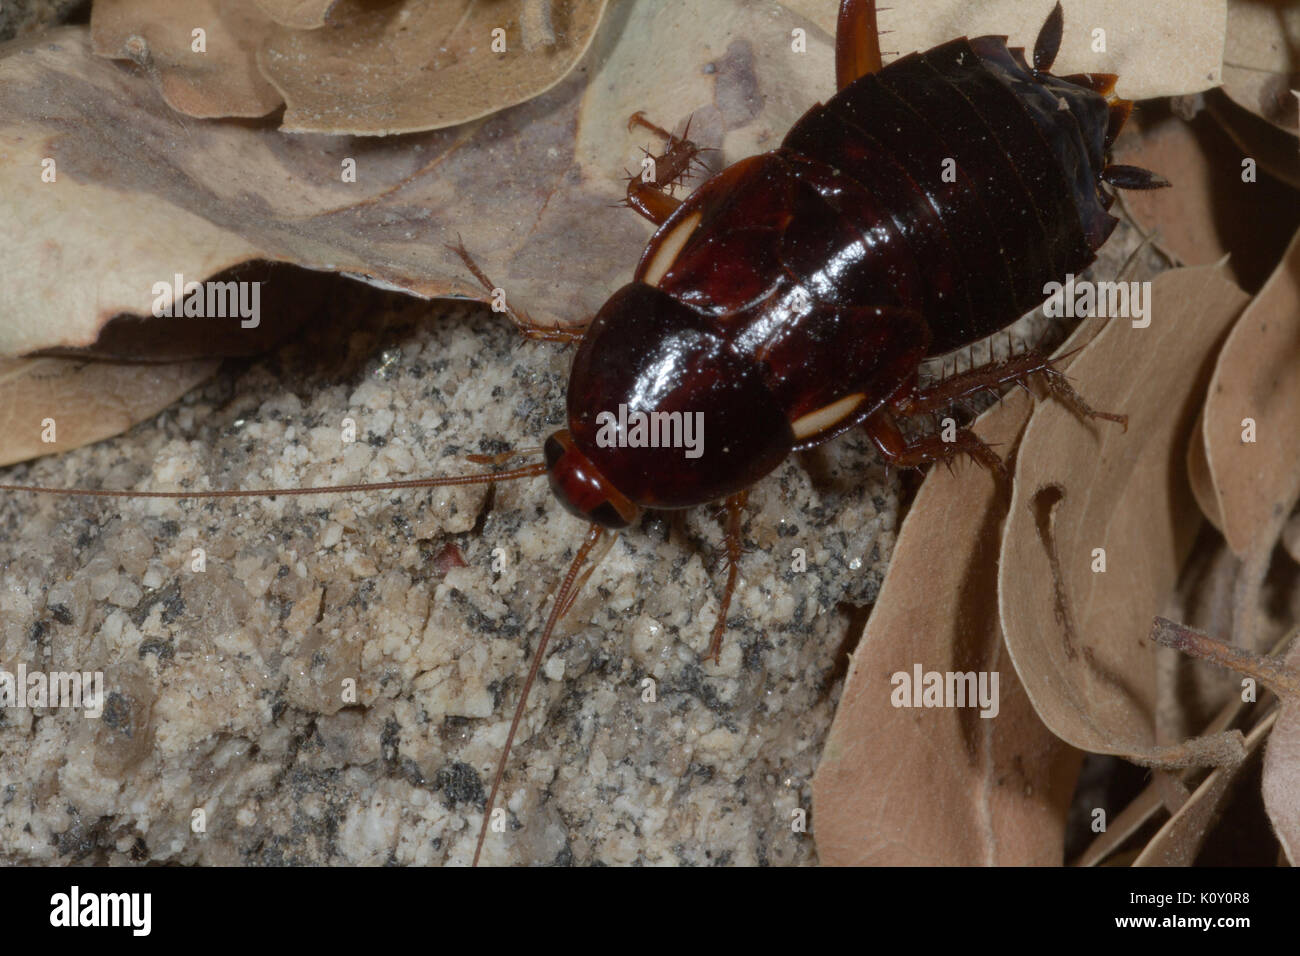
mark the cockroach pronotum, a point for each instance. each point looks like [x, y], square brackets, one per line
[795, 294]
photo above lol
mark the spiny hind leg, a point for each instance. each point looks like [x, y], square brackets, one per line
[857, 42]
[520, 318]
[649, 191]
[735, 515]
[901, 451]
[1016, 370]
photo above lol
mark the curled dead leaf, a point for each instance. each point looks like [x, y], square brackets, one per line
[1149, 803]
[1260, 60]
[1217, 207]
[1249, 433]
[1173, 47]
[400, 67]
[1085, 494]
[43, 400]
[943, 786]
[1199, 477]
[1178, 841]
[201, 53]
[529, 190]
[1276, 151]
[415, 66]
[92, 247]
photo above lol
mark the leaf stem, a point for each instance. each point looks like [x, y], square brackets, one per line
[1271, 671]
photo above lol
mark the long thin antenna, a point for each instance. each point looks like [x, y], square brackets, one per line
[527, 471]
[563, 600]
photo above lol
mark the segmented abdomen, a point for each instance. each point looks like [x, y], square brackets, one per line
[921, 209]
[971, 183]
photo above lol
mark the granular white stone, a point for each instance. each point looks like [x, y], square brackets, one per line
[229, 688]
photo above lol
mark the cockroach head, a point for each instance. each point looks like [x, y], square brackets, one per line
[581, 488]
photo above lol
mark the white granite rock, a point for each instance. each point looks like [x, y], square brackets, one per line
[225, 686]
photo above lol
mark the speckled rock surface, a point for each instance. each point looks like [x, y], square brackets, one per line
[227, 686]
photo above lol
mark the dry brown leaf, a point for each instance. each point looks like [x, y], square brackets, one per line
[299, 14]
[221, 79]
[1180, 839]
[1276, 151]
[1261, 58]
[399, 67]
[1282, 772]
[1203, 598]
[1169, 47]
[1181, 219]
[419, 66]
[1076, 636]
[1255, 379]
[1291, 537]
[1199, 477]
[1194, 699]
[35, 391]
[1127, 822]
[289, 300]
[1151, 800]
[942, 786]
[89, 249]
[1211, 211]
[530, 190]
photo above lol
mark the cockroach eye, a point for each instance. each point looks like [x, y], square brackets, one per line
[581, 488]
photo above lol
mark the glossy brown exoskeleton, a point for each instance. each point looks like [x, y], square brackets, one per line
[795, 294]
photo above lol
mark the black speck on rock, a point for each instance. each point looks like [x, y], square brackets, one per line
[117, 713]
[461, 784]
[163, 649]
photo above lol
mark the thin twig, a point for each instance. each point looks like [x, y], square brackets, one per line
[1271, 671]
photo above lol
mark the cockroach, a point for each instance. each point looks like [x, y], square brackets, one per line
[795, 295]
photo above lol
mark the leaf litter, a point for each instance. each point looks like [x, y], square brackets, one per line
[735, 116]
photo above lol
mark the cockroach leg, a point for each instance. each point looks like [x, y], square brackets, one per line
[1048, 43]
[953, 388]
[903, 452]
[857, 42]
[640, 119]
[652, 197]
[1064, 392]
[650, 200]
[735, 514]
[1015, 370]
[526, 325]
